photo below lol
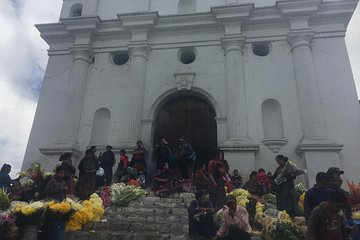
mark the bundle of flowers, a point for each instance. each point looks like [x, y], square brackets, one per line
[90, 211]
[7, 225]
[242, 196]
[4, 199]
[259, 212]
[354, 198]
[278, 225]
[36, 178]
[356, 215]
[122, 194]
[28, 213]
[301, 202]
[59, 210]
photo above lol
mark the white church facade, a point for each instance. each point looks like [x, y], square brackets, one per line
[255, 78]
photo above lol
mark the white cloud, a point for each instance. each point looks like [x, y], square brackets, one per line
[23, 59]
[22, 62]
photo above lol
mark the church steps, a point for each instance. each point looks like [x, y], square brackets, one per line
[149, 217]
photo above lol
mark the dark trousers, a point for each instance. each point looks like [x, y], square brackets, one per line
[236, 233]
[184, 168]
[108, 175]
[203, 227]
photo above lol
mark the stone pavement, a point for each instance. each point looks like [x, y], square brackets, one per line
[147, 218]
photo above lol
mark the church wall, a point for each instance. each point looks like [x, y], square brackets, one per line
[49, 116]
[272, 76]
[339, 100]
[106, 87]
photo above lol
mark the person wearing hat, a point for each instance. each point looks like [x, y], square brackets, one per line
[336, 181]
[200, 216]
[317, 194]
[235, 222]
[107, 162]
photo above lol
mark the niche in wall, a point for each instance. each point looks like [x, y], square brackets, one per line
[76, 10]
[186, 6]
[273, 127]
[100, 128]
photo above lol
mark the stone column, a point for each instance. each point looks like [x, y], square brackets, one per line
[75, 96]
[308, 95]
[139, 58]
[235, 90]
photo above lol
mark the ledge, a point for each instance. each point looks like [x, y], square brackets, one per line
[274, 144]
[60, 150]
[318, 146]
[241, 145]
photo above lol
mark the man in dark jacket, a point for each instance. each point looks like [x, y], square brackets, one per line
[162, 152]
[107, 161]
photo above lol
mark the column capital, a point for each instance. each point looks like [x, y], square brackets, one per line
[299, 38]
[139, 50]
[233, 43]
[81, 52]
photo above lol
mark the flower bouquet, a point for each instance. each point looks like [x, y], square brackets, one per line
[279, 226]
[122, 194]
[4, 199]
[28, 213]
[85, 212]
[8, 228]
[57, 213]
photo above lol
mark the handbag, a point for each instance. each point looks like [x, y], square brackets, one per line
[100, 172]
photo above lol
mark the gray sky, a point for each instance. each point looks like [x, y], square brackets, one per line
[23, 60]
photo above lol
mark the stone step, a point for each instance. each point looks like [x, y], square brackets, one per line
[159, 204]
[145, 211]
[139, 226]
[108, 235]
[163, 218]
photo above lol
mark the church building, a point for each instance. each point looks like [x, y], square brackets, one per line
[256, 78]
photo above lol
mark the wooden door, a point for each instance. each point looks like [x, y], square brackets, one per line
[190, 117]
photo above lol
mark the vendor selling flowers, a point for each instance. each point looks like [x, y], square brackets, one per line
[56, 187]
[235, 222]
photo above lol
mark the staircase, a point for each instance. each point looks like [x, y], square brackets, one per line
[147, 218]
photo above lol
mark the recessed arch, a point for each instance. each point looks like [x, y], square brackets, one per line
[100, 127]
[173, 92]
[272, 120]
[76, 10]
[188, 114]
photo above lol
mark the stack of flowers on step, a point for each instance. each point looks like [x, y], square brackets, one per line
[354, 199]
[122, 195]
[28, 213]
[7, 218]
[242, 196]
[59, 210]
[277, 225]
[88, 211]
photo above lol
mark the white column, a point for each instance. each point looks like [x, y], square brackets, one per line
[308, 95]
[75, 96]
[235, 90]
[139, 58]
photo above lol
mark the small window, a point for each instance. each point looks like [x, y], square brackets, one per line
[120, 58]
[261, 49]
[76, 10]
[187, 55]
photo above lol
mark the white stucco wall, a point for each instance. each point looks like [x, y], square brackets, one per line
[269, 77]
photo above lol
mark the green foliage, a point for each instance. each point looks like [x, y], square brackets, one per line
[4, 200]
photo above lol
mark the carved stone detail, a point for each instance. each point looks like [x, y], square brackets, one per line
[184, 81]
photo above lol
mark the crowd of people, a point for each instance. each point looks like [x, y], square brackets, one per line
[178, 170]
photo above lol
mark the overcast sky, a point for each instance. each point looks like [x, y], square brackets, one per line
[23, 60]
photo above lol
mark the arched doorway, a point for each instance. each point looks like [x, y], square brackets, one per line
[191, 117]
